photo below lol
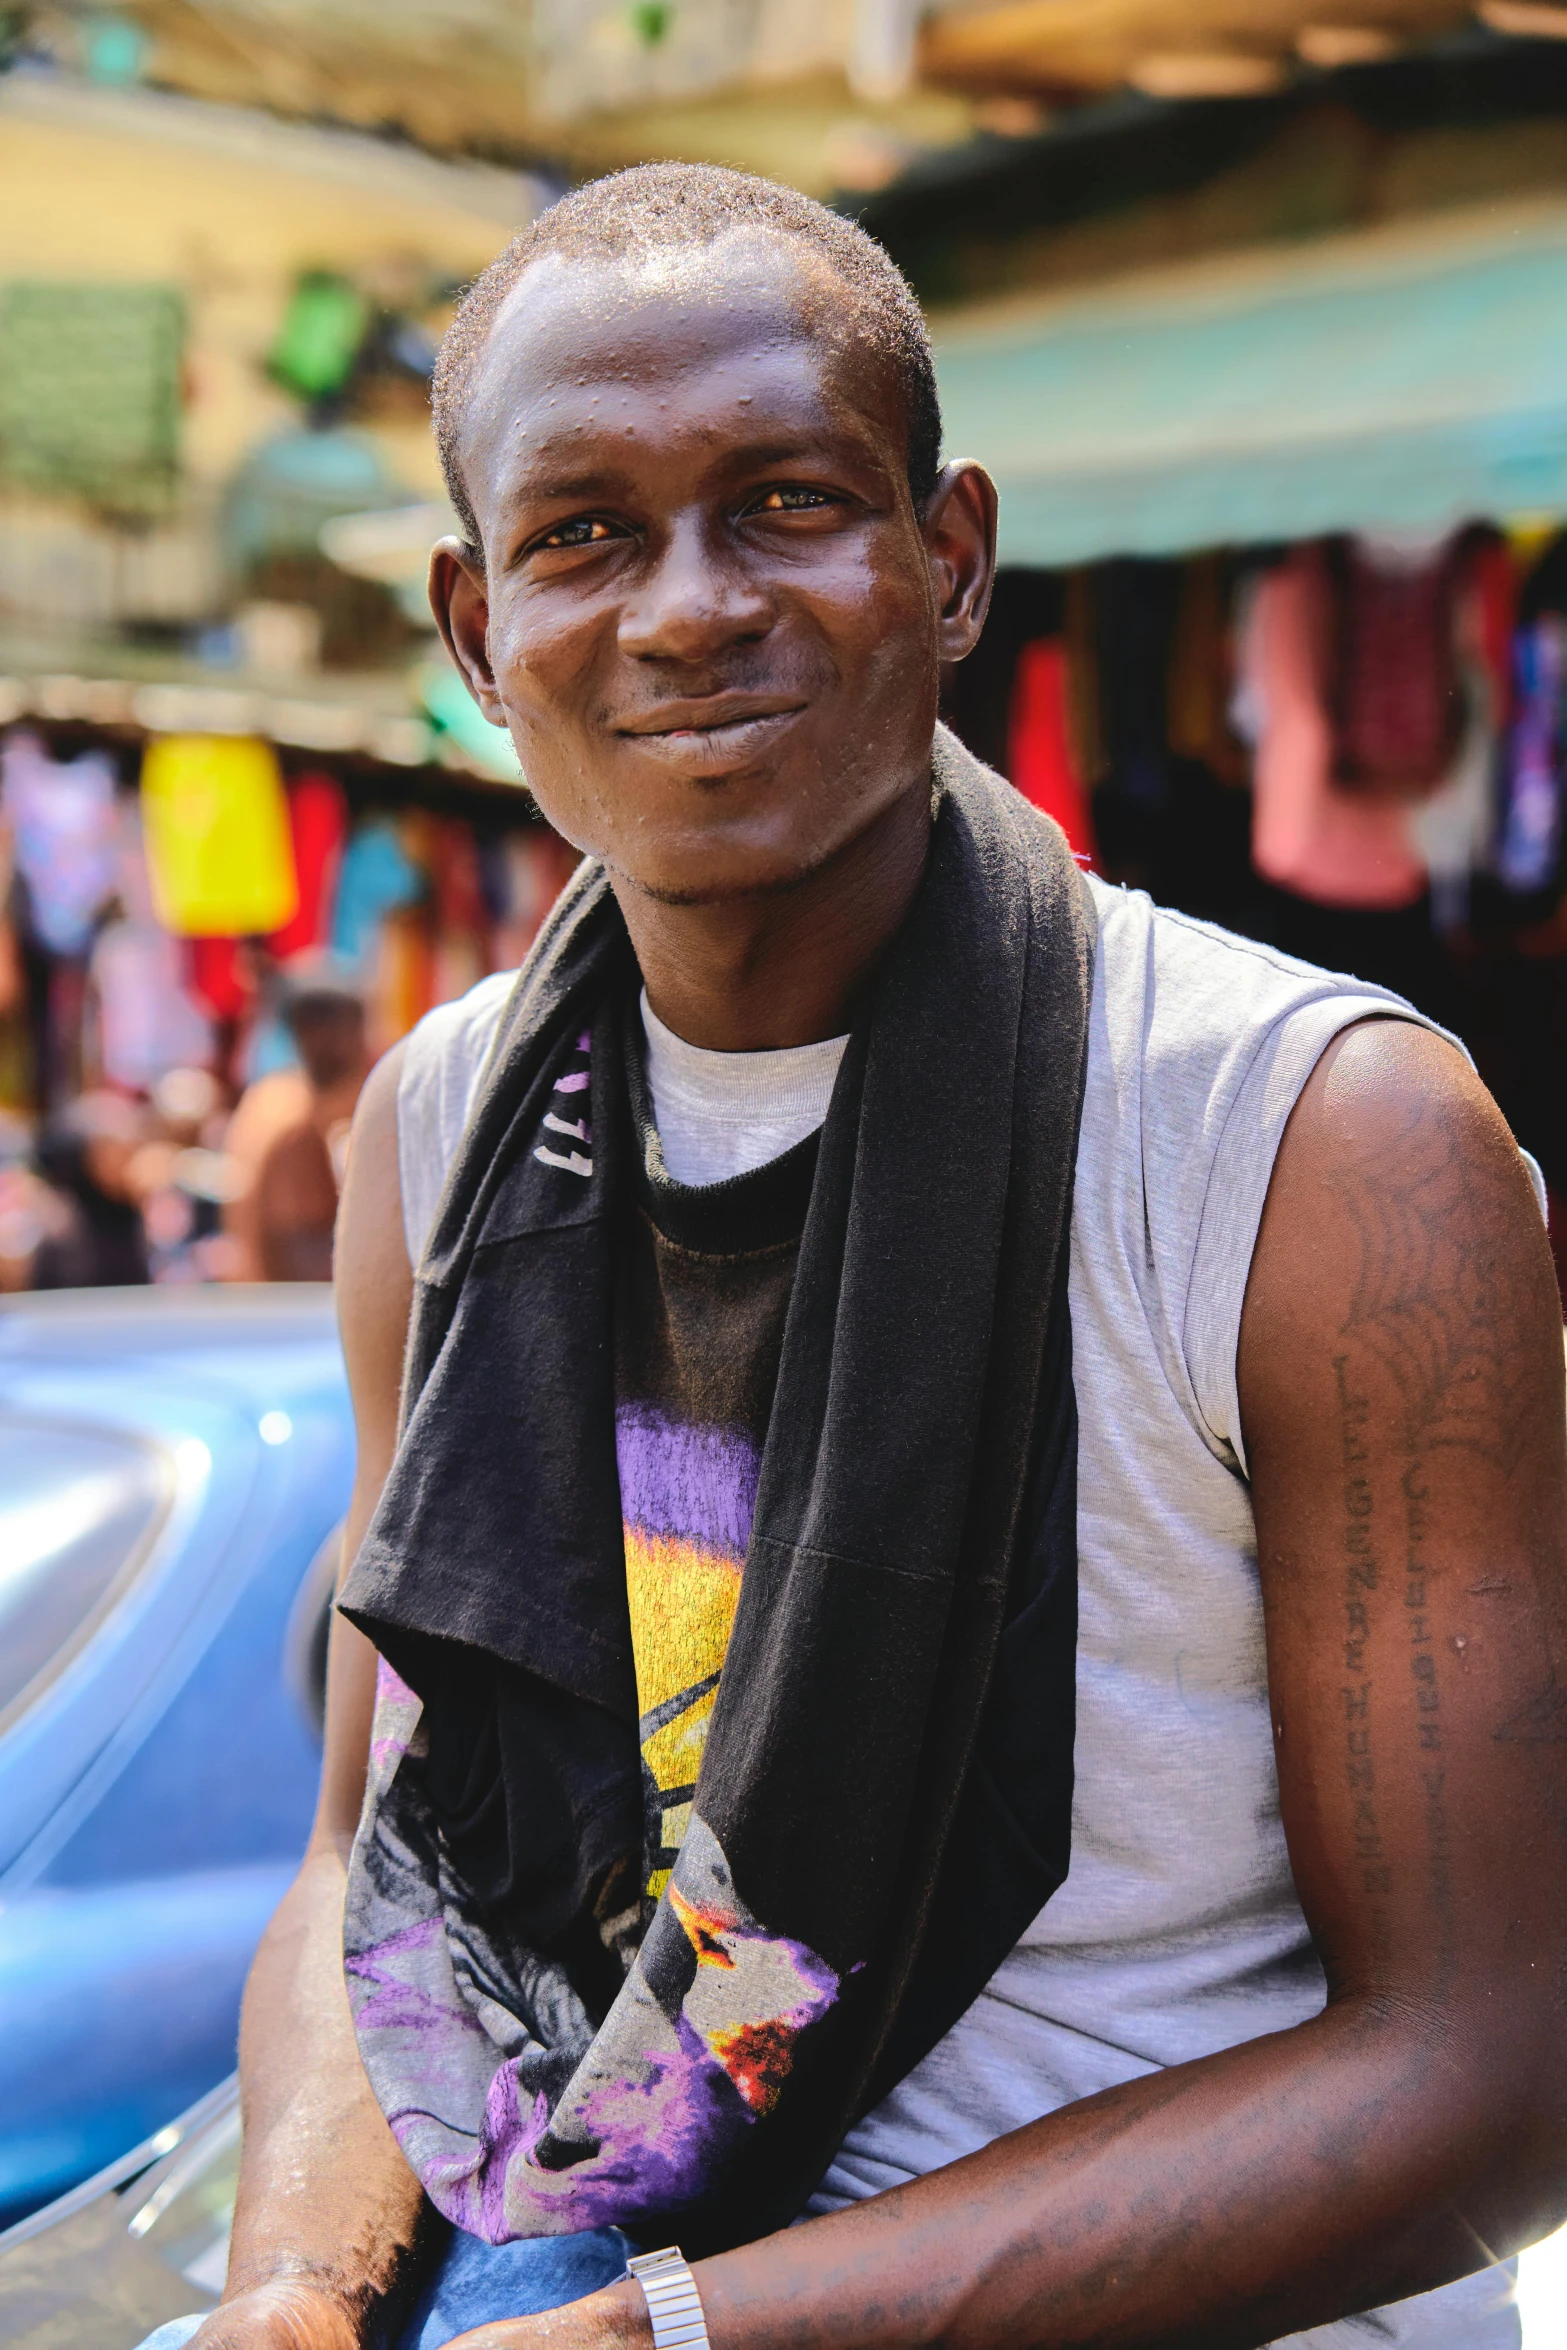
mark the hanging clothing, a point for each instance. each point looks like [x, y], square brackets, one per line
[1453, 829]
[1492, 586]
[402, 983]
[534, 867]
[1083, 682]
[377, 875]
[1393, 692]
[215, 822]
[1335, 847]
[147, 1022]
[1134, 607]
[462, 915]
[1201, 678]
[318, 829]
[219, 975]
[1039, 750]
[1535, 775]
[65, 830]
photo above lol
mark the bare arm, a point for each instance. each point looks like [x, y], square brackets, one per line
[1401, 1383]
[329, 2216]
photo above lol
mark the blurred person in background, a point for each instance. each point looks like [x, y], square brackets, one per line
[293, 1201]
[88, 1158]
[270, 1106]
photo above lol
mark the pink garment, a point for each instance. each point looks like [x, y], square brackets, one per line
[1338, 848]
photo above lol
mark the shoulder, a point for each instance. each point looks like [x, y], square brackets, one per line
[451, 1044]
[1402, 1236]
[1193, 1024]
[1200, 1045]
[1394, 1138]
[1200, 989]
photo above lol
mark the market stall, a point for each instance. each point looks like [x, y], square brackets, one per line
[1282, 632]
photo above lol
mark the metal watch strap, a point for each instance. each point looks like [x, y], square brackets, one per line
[673, 2302]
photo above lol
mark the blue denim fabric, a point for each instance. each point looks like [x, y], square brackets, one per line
[477, 2284]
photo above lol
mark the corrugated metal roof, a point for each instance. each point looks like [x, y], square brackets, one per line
[1412, 376]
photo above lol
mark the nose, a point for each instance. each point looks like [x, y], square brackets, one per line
[695, 598]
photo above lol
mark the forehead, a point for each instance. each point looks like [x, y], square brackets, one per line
[725, 340]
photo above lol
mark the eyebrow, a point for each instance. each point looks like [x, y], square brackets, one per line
[748, 457]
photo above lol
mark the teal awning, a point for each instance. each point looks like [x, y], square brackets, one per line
[1406, 376]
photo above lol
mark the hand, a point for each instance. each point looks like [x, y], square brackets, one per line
[286, 2315]
[614, 2319]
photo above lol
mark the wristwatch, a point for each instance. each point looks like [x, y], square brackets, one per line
[673, 2302]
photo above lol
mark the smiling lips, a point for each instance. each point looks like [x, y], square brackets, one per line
[713, 728]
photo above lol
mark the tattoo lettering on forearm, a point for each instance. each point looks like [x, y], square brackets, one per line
[1422, 1663]
[1427, 1690]
[1360, 1581]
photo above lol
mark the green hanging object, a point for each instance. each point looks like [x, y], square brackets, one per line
[650, 20]
[90, 392]
[319, 340]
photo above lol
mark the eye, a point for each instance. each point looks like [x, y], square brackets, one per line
[583, 530]
[791, 497]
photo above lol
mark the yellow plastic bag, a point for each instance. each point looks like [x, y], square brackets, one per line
[215, 820]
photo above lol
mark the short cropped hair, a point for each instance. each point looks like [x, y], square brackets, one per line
[663, 207]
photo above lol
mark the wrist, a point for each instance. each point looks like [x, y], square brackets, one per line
[298, 2309]
[624, 2321]
[676, 2318]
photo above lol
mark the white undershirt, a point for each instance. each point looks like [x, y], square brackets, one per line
[721, 1114]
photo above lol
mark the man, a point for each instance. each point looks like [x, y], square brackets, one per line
[775, 1517]
[291, 1209]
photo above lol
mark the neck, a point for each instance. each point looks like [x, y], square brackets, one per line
[787, 966]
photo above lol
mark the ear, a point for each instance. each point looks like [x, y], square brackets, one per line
[959, 530]
[460, 600]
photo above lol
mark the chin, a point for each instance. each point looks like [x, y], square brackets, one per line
[698, 841]
[709, 872]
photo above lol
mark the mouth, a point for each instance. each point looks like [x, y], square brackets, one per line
[714, 732]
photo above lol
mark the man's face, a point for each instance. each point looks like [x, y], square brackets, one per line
[709, 613]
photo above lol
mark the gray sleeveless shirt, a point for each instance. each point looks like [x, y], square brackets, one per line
[1178, 1931]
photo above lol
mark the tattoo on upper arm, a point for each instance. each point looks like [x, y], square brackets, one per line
[1427, 1689]
[1440, 1302]
[1360, 1581]
[1437, 1298]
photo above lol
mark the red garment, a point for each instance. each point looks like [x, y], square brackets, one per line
[454, 867]
[220, 975]
[1493, 605]
[1039, 748]
[318, 820]
[1395, 695]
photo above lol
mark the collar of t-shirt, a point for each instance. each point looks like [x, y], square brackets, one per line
[721, 1114]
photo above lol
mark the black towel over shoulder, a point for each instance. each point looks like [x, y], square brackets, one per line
[884, 1801]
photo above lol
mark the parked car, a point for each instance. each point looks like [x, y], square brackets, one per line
[174, 1465]
[144, 2241]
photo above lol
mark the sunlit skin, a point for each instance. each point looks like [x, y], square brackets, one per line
[712, 619]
